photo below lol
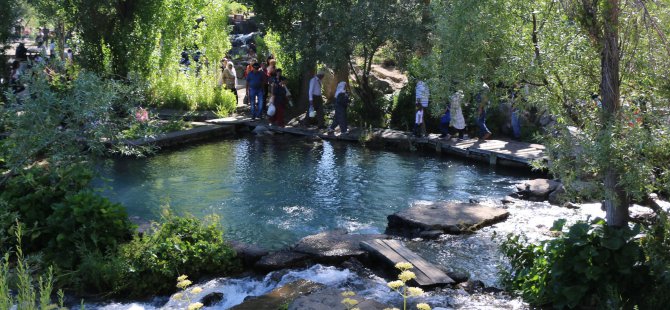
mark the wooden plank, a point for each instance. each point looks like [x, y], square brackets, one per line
[393, 252]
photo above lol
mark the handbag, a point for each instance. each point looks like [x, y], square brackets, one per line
[312, 112]
[271, 109]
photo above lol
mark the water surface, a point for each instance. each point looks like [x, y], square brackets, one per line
[272, 191]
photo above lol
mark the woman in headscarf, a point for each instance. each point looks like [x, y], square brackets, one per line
[457, 119]
[279, 100]
[341, 104]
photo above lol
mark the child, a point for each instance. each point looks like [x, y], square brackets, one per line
[444, 123]
[418, 123]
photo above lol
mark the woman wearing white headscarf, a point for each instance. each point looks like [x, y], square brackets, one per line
[341, 104]
[457, 119]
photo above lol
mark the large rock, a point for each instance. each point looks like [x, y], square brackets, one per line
[247, 253]
[537, 190]
[331, 299]
[557, 197]
[280, 296]
[212, 299]
[282, 260]
[449, 217]
[334, 246]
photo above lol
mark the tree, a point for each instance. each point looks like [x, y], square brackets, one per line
[8, 16]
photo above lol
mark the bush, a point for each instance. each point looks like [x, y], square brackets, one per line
[180, 245]
[591, 264]
[88, 223]
[176, 90]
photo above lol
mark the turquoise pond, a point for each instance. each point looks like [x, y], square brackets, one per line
[272, 191]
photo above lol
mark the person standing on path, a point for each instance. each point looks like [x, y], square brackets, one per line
[341, 103]
[280, 100]
[422, 99]
[255, 82]
[229, 78]
[444, 123]
[457, 119]
[483, 101]
[315, 99]
[418, 122]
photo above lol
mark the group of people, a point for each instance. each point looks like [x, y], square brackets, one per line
[453, 114]
[266, 88]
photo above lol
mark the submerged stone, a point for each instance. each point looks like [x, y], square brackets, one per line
[281, 296]
[449, 217]
[331, 299]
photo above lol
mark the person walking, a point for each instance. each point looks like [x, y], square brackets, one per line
[255, 82]
[422, 98]
[483, 101]
[315, 100]
[341, 103]
[457, 119]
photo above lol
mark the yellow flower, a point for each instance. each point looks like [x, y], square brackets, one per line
[350, 302]
[406, 276]
[182, 278]
[391, 309]
[414, 291]
[348, 293]
[423, 306]
[395, 284]
[196, 290]
[177, 296]
[404, 266]
[195, 306]
[184, 284]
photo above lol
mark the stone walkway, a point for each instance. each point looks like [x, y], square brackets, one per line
[496, 152]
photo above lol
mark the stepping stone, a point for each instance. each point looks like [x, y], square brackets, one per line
[337, 245]
[393, 252]
[449, 217]
[331, 299]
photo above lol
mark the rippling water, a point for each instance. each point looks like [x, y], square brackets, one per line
[272, 191]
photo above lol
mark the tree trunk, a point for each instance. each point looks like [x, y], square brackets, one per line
[616, 200]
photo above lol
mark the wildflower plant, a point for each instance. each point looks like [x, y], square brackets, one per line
[400, 286]
[349, 302]
[187, 292]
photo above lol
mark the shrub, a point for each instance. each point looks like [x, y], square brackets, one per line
[591, 264]
[176, 90]
[86, 222]
[180, 245]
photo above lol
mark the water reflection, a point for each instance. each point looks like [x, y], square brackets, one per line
[272, 191]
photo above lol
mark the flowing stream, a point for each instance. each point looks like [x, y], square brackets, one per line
[272, 191]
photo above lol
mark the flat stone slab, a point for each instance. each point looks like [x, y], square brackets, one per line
[393, 252]
[449, 217]
[278, 297]
[183, 136]
[331, 299]
[282, 260]
[337, 245]
[537, 190]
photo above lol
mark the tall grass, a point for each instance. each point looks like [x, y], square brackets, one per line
[173, 89]
[30, 294]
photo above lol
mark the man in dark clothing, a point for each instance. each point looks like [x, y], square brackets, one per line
[255, 82]
[21, 52]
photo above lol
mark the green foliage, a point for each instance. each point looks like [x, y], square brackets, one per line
[176, 90]
[589, 265]
[8, 15]
[179, 245]
[656, 245]
[86, 222]
[32, 293]
[404, 108]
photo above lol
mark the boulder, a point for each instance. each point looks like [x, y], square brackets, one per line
[657, 204]
[280, 296]
[537, 190]
[459, 276]
[282, 260]
[642, 215]
[557, 196]
[247, 253]
[448, 217]
[212, 299]
[382, 86]
[331, 299]
[334, 246]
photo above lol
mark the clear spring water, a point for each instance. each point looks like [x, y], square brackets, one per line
[272, 191]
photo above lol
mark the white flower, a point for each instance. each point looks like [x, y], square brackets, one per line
[404, 266]
[395, 284]
[195, 306]
[196, 290]
[406, 276]
[414, 291]
[423, 306]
